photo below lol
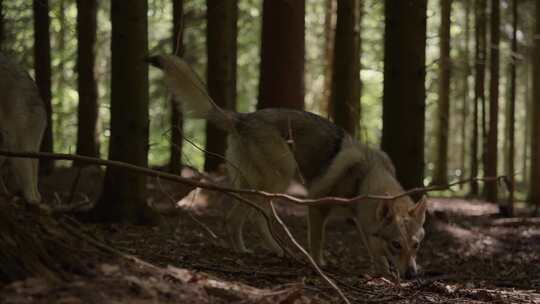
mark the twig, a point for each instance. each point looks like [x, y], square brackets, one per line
[308, 256]
[268, 195]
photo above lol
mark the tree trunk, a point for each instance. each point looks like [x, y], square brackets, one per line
[329, 41]
[511, 120]
[87, 112]
[222, 30]
[281, 83]
[177, 121]
[535, 132]
[479, 94]
[465, 104]
[42, 67]
[345, 93]
[528, 121]
[492, 149]
[123, 197]
[404, 92]
[440, 176]
[2, 31]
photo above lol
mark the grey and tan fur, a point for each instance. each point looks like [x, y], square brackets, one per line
[22, 123]
[269, 148]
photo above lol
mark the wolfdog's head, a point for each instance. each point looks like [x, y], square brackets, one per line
[397, 239]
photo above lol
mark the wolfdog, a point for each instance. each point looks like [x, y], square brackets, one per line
[22, 123]
[269, 148]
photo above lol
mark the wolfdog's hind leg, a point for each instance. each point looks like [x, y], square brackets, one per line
[264, 230]
[235, 223]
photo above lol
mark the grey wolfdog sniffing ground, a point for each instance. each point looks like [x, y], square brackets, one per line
[22, 123]
[267, 149]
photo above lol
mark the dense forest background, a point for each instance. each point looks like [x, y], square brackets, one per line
[464, 20]
[449, 89]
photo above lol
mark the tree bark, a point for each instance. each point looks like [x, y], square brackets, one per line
[281, 83]
[404, 91]
[492, 149]
[87, 112]
[2, 30]
[329, 41]
[479, 91]
[222, 31]
[42, 67]
[346, 86]
[511, 120]
[177, 121]
[440, 175]
[465, 103]
[123, 197]
[535, 132]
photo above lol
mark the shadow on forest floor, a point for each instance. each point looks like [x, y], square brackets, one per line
[468, 256]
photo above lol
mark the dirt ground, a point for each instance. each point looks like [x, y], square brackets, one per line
[468, 256]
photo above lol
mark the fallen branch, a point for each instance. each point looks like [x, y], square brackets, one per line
[264, 194]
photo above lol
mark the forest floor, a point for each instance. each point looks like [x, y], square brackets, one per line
[468, 256]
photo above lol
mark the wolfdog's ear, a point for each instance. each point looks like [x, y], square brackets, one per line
[419, 210]
[384, 210]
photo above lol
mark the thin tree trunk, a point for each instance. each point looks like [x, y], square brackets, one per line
[345, 93]
[492, 149]
[535, 132]
[42, 67]
[440, 176]
[465, 104]
[528, 122]
[479, 78]
[123, 198]
[222, 31]
[281, 83]
[177, 121]
[329, 41]
[404, 90]
[512, 112]
[87, 112]
[2, 30]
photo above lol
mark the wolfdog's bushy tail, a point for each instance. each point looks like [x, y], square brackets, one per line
[190, 92]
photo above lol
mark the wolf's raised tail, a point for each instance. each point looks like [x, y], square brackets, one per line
[190, 92]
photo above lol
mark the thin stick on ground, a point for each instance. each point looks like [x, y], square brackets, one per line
[308, 256]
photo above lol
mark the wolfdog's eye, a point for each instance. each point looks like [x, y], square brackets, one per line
[396, 245]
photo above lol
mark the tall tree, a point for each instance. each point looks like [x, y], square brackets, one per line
[42, 67]
[87, 112]
[346, 86]
[175, 151]
[511, 120]
[534, 191]
[404, 90]
[330, 17]
[479, 78]
[491, 152]
[2, 34]
[123, 197]
[281, 83]
[222, 31]
[466, 74]
[440, 176]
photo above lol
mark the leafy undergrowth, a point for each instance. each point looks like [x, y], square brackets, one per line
[468, 256]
